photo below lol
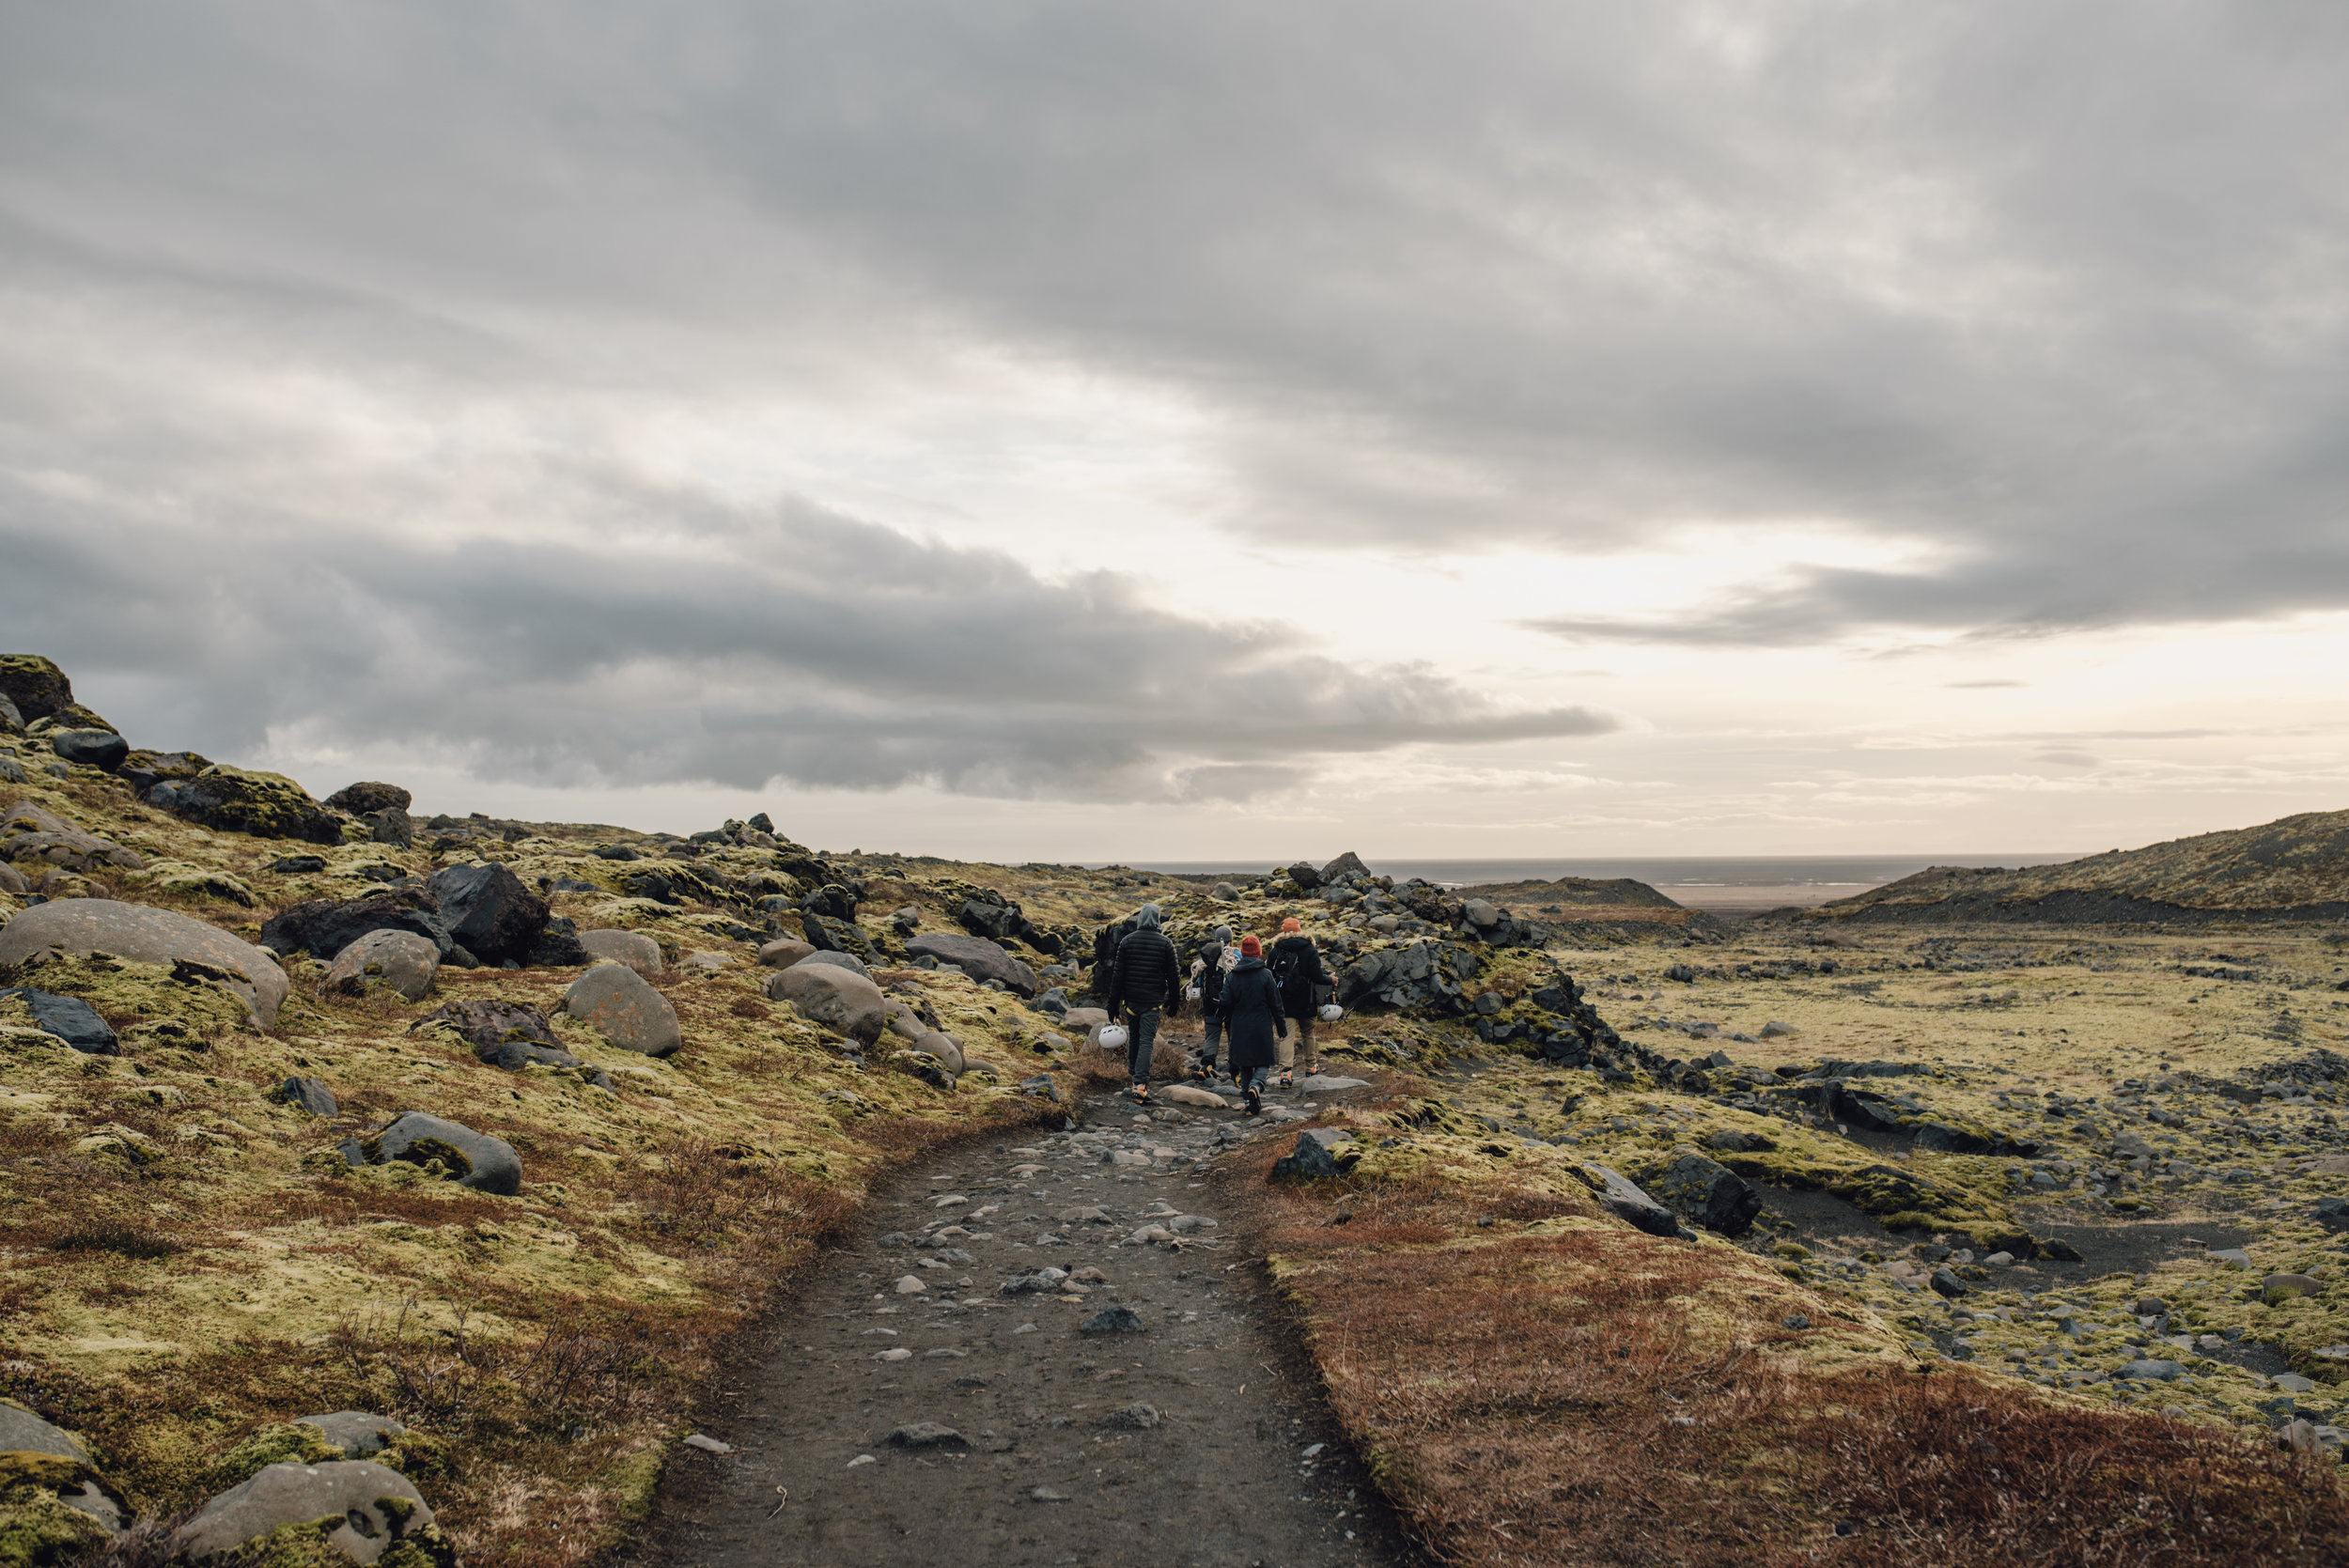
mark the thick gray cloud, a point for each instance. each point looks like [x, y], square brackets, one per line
[2054, 294]
[722, 647]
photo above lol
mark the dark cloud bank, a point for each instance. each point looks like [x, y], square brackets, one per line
[2054, 294]
[715, 646]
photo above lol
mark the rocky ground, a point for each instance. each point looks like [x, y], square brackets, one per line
[1062, 1351]
[455, 1164]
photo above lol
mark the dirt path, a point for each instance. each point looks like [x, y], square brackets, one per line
[1195, 1437]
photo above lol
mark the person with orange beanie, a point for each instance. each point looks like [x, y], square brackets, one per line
[1294, 964]
[1250, 1005]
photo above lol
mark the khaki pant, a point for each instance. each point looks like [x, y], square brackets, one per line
[1298, 1048]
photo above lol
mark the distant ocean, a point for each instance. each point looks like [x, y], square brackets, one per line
[1725, 884]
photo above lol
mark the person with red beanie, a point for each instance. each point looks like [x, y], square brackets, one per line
[1250, 1009]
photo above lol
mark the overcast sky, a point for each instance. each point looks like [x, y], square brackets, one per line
[1198, 430]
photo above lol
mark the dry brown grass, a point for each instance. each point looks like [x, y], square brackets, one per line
[1597, 1397]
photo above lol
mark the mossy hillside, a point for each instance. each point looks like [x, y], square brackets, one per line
[643, 1204]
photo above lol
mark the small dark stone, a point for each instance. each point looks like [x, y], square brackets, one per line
[71, 1019]
[1132, 1418]
[1946, 1283]
[306, 1094]
[927, 1435]
[1309, 1161]
[1797, 1321]
[1112, 1320]
[2061, 1252]
[297, 865]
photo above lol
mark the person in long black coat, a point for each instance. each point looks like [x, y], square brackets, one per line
[1252, 1021]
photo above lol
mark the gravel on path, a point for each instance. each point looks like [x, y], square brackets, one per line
[1062, 1351]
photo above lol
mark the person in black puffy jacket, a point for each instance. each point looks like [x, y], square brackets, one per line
[1296, 963]
[1252, 1021]
[1146, 976]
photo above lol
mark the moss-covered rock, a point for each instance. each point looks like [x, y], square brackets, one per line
[36, 685]
[179, 879]
[242, 800]
[278, 1443]
[174, 1003]
[39, 1525]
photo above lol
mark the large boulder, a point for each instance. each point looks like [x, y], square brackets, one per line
[507, 1034]
[622, 1007]
[849, 961]
[360, 798]
[146, 935]
[1304, 875]
[833, 996]
[489, 910]
[1706, 1193]
[401, 960]
[977, 957]
[784, 951]
[242, 800]
[11, 721]
[632, 948]
[472, 1158]
[1347, 864]
[288, 1512]
[36, 688]
[319, 926]
[90, 748]
[1621, 1197]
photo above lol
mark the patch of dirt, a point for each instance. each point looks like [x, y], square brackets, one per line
[1190, 1442]
[2132, 1247]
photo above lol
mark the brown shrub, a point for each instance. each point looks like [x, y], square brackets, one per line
[1544, 1400]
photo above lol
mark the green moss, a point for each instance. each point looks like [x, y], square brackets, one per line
[266, 806]
[280, 1443]
[36, 1528]
[309, 1545]
[35, 685]
[179, 879]
[170, 1004]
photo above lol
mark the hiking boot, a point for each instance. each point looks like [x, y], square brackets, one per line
[1255, 1103]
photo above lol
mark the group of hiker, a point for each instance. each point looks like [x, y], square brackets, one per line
[1248, 1000]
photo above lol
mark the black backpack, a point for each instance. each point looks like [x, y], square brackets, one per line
[1288, 972]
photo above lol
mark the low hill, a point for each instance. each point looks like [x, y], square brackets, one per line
[1621, 892]
[2297, 868]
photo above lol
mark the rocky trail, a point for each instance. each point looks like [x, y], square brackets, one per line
[1057, 1351]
